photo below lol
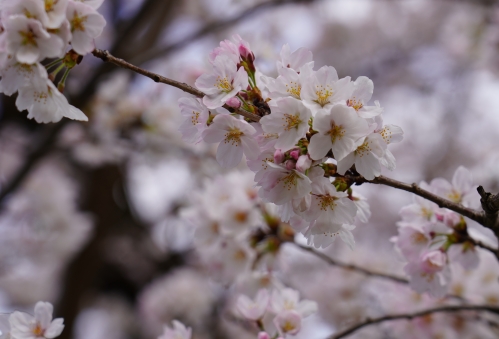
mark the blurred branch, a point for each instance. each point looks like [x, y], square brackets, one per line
[352, 267]
[107, 57]
[213, 27]
[409, 316]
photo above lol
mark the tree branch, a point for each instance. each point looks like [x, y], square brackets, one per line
[107, 57]
[409, 316]
[352, 267]
[490, 205]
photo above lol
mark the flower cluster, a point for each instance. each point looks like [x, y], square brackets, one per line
[21, 325]
[431, 238]
[282, 308]
[34, 30]
[313, 126]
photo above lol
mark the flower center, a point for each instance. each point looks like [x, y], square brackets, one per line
[78, 23]
[323, 94]
[288, 326]
[291, 121]
[233, 136]
[386, 134]
[223, 84]
[454, 196]
[290, 180]
[356, 104]
[336, 132]
[363, 149]
[327, 202]
[418, 238]
[294, 89]
[195, 117]
[49, 5]
[38, 330]
[29, 38]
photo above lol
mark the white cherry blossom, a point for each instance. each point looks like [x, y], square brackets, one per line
[235, 137]
[195, 118]
[29, 41]
[45, 103]
[365, 157]
[16, 74]
[295, 60]
[224, 83]
[253, 309]
[338, 130]
[361, 94]
[56, 12]
[41, 325]
[288, 322]
[95, 4]
[280, 185]
[289, 120]
[431, 273]
[177, 331]
[289, 82]
[288, 299]
[86, 25]
[461, 190]
[323, 89]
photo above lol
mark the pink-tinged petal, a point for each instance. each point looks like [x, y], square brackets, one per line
[368, 166]
[75, 114]
[206, 83]
[250, 147]
[364, 88]
[43, 313]
[229, 154]
[462, 180]
[319, 146]
[54, 329]
[346, 163]
[20, 322]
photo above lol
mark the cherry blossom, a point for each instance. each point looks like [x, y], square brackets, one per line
[361, 94]
[41, 325]
[29, 41]
[224, 83]
[430, 273]
[253, 309]
[323, 89]
[338, 130]
[45, 103]
[289, 120]
[177, 331]
[235, 137]
[86, 25]
[196, 116]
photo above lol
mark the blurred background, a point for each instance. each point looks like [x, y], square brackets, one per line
[90, 213]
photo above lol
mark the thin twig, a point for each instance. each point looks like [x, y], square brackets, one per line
[441, 202]
[352, 267]
[409, 316]
[107, 57]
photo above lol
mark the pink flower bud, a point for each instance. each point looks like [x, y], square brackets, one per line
[244, 51]
[233, 102]
[278, 156]
[263, 335]
[295, 154]
[304, 162]
[290, 165]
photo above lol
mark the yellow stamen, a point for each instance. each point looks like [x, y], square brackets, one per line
[291, 121]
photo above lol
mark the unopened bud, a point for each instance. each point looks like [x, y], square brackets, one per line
[233, 102]
[263, 335]
[295, 154]
[304, 162]
[278, 156]
[290, 165]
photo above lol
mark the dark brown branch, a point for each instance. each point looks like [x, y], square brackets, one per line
[107, 57]
[441, 202]
[490, 205]
[352, 267]
[409, 316]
